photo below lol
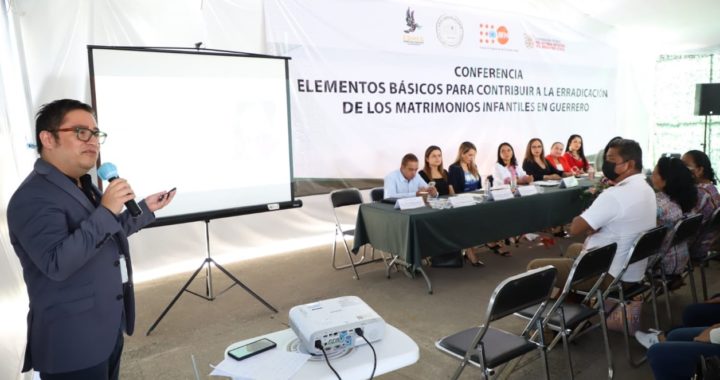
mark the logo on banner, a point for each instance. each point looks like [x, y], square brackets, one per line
[543, 43]
[410, 37]
[489, 35]
[449, 30]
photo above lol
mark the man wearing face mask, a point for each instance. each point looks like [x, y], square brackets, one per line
[619, 214]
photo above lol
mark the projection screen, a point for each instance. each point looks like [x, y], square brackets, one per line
[215, 125]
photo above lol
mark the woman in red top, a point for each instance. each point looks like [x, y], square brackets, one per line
[575, 155]
[557, 159]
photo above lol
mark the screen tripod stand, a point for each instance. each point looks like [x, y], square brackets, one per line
[209, 293]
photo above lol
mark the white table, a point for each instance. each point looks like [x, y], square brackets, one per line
[396, 350]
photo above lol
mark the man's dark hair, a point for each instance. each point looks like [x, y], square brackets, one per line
[628, 150]
[408, 158]
[51, 115]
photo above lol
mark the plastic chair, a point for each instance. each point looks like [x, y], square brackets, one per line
[487, 347]
[339, 199]
[569, 318]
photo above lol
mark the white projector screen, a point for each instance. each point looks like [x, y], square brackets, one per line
[214, 125]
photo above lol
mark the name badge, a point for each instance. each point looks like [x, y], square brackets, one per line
[527, 190]
[461, 201]
[123, 270]
[569, 182]
[501, 194]
[409, 203]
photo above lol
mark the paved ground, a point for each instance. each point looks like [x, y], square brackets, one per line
[203, 329]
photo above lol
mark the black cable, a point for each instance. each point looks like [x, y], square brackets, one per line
[360, 333]
[319, 346]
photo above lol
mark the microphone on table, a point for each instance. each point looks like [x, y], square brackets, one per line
[108, 172]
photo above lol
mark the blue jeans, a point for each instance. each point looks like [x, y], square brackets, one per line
[701, 314]
[677, 357]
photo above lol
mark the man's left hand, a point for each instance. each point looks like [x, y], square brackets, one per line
[159, 200]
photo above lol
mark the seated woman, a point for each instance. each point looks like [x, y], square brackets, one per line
[463, 176]
[433, 171]
[676, 355]
[535, 163]
[557, 159]
[708, 199]
[676, 195]
[507, 167]
[575, 155]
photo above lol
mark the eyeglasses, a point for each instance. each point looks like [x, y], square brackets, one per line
[84, 134]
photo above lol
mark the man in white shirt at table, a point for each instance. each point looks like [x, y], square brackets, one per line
[405, 182]
[619, 214]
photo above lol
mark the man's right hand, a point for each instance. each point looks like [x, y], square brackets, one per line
[117, 193]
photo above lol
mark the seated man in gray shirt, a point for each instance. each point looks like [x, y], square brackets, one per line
[405, 182]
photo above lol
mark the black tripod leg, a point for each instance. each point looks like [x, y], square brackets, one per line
[257, 297]
[177, 296]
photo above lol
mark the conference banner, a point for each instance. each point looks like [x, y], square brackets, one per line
[373, 80]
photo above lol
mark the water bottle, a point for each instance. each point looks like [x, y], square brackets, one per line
[591, 172]
[513, 181]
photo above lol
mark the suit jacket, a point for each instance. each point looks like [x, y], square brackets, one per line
[70, 250]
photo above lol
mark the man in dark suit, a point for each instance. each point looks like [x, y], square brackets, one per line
[72, 243]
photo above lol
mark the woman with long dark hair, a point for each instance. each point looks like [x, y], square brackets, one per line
[575, 155]
[708, 198]
[507, 167]
[433, 170]
[676, 195]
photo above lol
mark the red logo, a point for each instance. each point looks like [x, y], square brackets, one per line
[502, 35]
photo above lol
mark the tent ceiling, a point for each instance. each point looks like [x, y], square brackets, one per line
[676, 25]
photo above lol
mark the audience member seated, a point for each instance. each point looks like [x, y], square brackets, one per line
[675, 355]
[600, 157]
[676, 195]
[535, 163]
[619, 215]
[575, 155]
[507, 167]
[463, 176]
[405, 182]
[557, 159]
[433, 170]
[708, 199]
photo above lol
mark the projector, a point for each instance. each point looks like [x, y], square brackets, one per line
[333, 322]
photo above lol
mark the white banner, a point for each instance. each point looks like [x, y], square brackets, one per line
[373, 80]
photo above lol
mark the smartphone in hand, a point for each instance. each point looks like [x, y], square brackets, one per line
[162, 197]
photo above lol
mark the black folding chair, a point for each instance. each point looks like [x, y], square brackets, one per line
[645, 246]
[684, 231]
[487, 347]
[377, 194]
[339, 199]
[568, 318]
[712, 225]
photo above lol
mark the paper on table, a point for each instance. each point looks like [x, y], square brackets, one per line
[272, 365]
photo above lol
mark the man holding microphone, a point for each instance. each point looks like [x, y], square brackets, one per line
[71, 240]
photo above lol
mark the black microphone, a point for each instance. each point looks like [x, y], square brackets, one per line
[108, 172]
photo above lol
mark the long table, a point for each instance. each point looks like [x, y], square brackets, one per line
[411, 235]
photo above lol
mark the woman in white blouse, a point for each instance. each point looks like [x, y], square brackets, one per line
[507, 167]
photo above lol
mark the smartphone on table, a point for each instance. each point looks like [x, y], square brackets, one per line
[251, 349]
